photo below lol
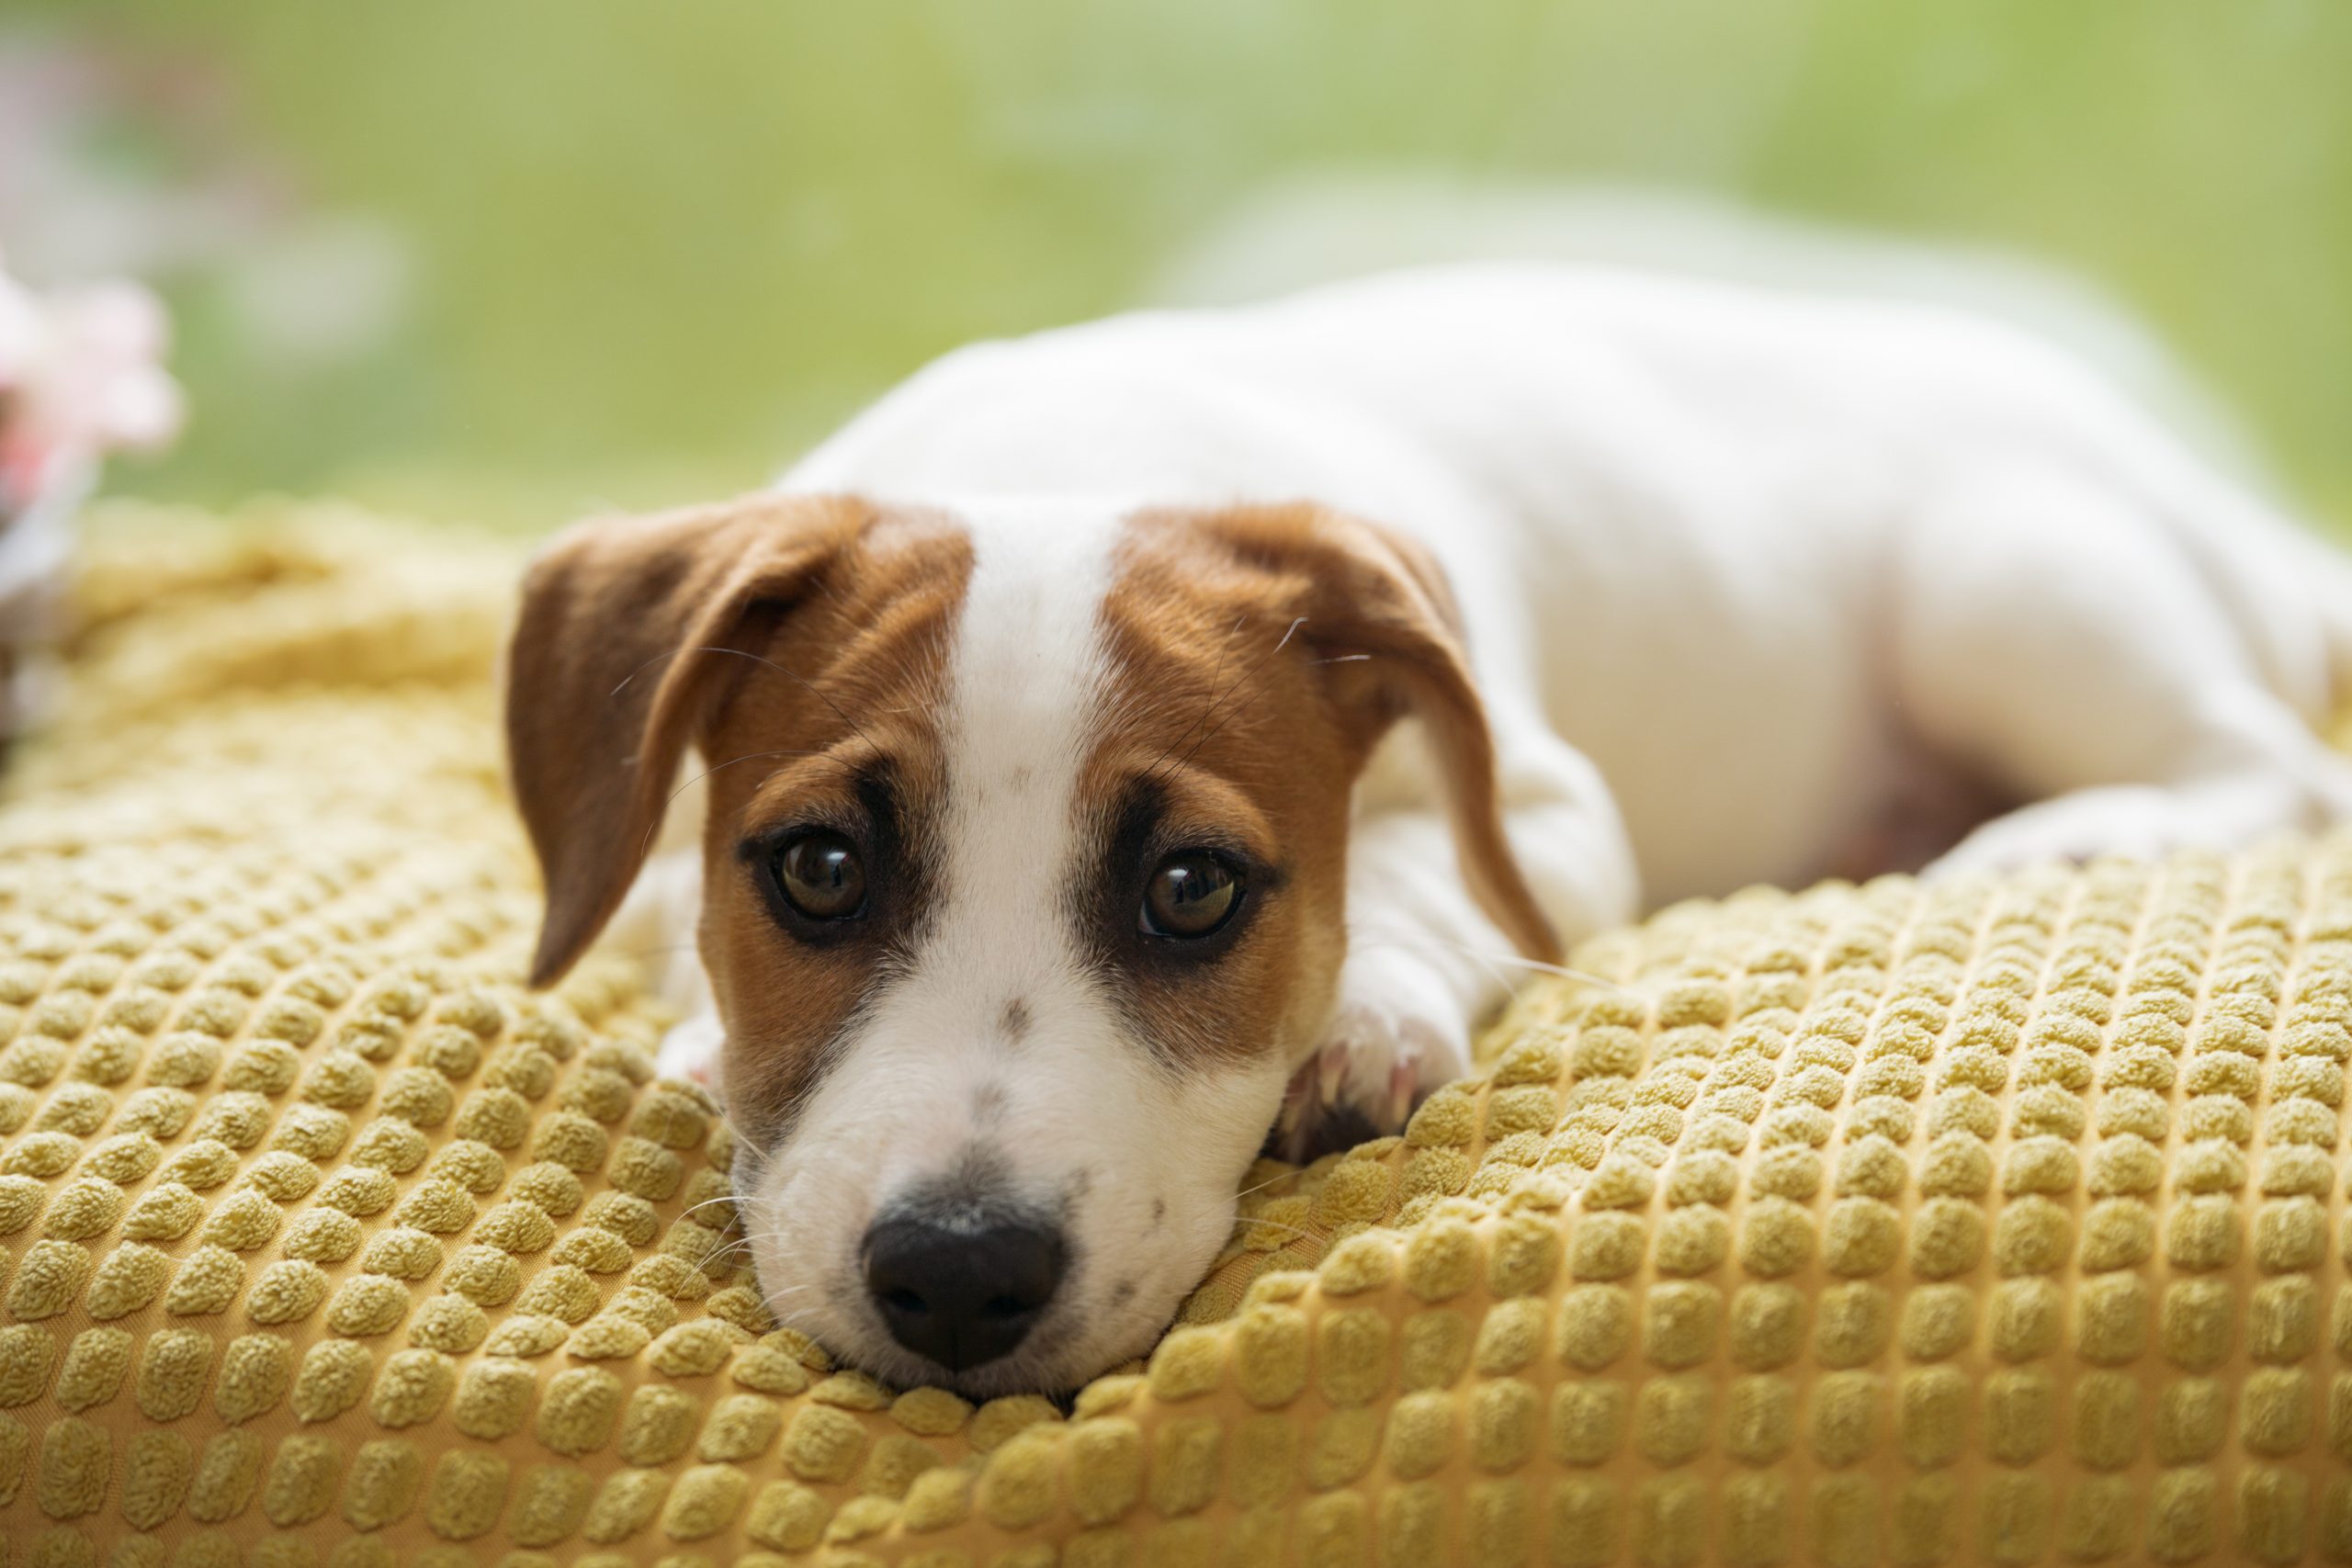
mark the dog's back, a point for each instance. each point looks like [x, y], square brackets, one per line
[1623, 473]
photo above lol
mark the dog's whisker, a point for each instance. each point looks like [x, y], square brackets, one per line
[1490, 956]
[732, 1251]
[1216, 674]
[650, 952]
[1240, 680]
[744, 653]
[1585, 976]
[1235, 1220]
[655, 827]
[743, 1247]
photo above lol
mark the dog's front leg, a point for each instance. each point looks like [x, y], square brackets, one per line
[1425, 966]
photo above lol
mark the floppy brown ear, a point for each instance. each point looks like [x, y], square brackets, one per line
[1365, 590]
[618, 655]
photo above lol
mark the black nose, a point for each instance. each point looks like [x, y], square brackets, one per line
[961, 1296]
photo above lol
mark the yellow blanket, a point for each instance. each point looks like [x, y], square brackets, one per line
[1995, 1223]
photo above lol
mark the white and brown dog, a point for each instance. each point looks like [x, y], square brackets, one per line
[1059, 817]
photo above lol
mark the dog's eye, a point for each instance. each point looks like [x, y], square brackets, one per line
[821, 875]
[1190, 895]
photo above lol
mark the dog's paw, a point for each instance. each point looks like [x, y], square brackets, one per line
[690, 1051]
[2052, 833]
[2141, 822]
[1398, 1033]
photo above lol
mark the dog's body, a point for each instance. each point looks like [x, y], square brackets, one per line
[1693, 528]
[1690, 586]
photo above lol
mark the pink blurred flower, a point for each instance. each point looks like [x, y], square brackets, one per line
[81, 376]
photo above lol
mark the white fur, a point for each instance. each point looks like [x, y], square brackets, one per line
[1731, 560]
[1726, 554]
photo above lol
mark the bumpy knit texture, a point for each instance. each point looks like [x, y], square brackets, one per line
[1993, 1222]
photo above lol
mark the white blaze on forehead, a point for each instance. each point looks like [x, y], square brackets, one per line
[1028, 674]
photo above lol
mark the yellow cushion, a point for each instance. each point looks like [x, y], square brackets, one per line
[1992, 1223]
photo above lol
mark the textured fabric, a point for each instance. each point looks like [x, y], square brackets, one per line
[1997, 1222]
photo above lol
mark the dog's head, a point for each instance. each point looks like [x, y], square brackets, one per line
[1024, 872]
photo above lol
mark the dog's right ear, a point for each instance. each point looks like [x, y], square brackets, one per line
[618, 657]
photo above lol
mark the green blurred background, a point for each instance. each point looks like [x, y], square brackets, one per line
[512, 258]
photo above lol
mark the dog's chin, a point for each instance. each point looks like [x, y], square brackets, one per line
[1052, 1366]
[1068, 1347]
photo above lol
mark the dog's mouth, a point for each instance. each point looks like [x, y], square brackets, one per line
[983, 1300]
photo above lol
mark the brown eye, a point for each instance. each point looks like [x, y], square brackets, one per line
[1190, 895]
[821, 875]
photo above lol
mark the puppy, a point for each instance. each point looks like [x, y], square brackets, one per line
[1059, 811]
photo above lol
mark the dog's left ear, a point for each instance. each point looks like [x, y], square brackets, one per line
[1361, 589]
[617, 657]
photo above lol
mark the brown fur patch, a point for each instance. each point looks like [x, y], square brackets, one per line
[833, 621]
[875, 651]
[1234, 719]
